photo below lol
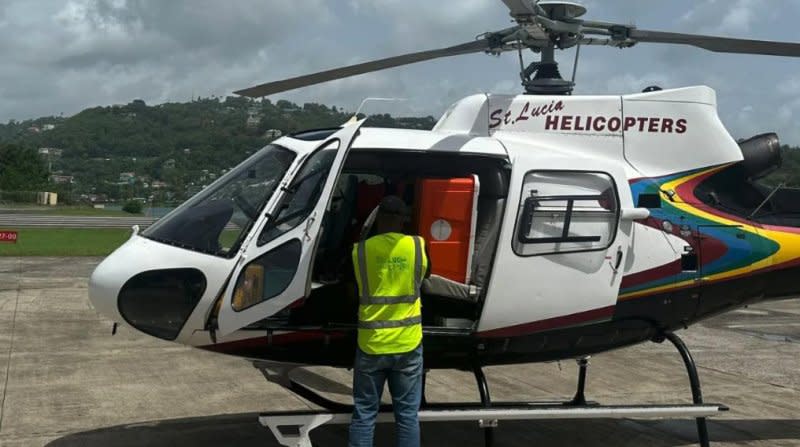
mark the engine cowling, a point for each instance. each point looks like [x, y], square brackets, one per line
[762, 155]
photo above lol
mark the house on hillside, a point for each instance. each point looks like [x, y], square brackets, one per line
[127, 177]
[62, 179]
[253, 121]
[273, 133]
[50, 151]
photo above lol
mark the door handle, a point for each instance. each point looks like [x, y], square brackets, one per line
[309, 223]
[617, 261]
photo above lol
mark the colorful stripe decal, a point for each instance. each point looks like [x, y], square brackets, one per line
[728, 246]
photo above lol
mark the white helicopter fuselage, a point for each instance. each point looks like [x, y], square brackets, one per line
[573, 248]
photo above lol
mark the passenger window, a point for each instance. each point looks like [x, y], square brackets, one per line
[267, 276]
[566, 212]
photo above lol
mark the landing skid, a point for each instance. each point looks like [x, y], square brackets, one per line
[292, 429]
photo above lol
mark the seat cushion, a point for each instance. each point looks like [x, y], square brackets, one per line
[441, 286]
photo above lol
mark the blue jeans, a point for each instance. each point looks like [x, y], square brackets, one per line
[404, 374]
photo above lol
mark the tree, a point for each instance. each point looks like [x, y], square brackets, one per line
[133, 207]
[21, 169]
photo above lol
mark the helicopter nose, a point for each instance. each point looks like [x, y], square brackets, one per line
[153, 287]
[105, 284]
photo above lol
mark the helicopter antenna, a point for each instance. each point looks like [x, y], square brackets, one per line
[766, 200]
[354, 118]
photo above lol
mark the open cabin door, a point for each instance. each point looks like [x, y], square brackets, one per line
[273, 269]
[563, 246]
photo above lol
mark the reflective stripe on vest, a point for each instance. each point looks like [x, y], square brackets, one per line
[389, 307]
[390, 323]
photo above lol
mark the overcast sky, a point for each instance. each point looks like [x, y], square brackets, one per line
[62, 56]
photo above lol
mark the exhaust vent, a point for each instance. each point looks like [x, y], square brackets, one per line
[762, 155]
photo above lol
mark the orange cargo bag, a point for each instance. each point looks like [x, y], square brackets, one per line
[446, 210]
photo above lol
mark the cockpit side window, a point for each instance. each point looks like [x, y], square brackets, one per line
[302, 194]
[216, 220]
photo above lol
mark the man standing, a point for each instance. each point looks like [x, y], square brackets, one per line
[389, 269]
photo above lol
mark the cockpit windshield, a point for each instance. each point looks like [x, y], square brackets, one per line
[216, 220]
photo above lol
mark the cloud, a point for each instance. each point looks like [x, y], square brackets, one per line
[720, 17]
[62, 56]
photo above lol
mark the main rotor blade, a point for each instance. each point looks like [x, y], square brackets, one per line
[343, 72]
[718, 44]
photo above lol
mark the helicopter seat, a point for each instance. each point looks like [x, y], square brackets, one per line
[490, 217]
[488, 229]
[490, 207]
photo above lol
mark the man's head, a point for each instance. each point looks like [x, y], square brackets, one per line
[393, 214]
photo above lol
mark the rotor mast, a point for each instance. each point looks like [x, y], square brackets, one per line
[543, 77]
[547, 79]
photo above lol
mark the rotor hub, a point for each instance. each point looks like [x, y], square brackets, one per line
[558, 10]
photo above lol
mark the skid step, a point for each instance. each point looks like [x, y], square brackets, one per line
[293, 428]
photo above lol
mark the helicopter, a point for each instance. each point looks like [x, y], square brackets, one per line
[558, 227]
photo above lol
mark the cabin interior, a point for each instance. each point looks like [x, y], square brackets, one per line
[457, 204]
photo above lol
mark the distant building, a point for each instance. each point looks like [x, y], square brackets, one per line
[169, 164]
[47, 127]
[62, 179]
[253, 116]
[273, 133]
[95, 199]
[50, 151]
[127, 177]
[253, 121]
[158, 184]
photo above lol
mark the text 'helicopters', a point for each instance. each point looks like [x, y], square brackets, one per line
[558, 226]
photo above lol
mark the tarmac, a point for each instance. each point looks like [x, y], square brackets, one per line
[66, 381]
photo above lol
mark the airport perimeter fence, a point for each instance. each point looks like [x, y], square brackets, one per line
[18, 197]
[33, 198]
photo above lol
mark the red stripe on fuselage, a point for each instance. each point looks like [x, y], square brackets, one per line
[550, 323]
[653, 274]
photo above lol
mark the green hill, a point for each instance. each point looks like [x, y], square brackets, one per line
[167, 152]
[179, 146]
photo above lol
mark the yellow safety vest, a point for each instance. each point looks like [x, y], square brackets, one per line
[389, 271]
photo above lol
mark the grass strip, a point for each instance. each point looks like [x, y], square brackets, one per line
[65, 241]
